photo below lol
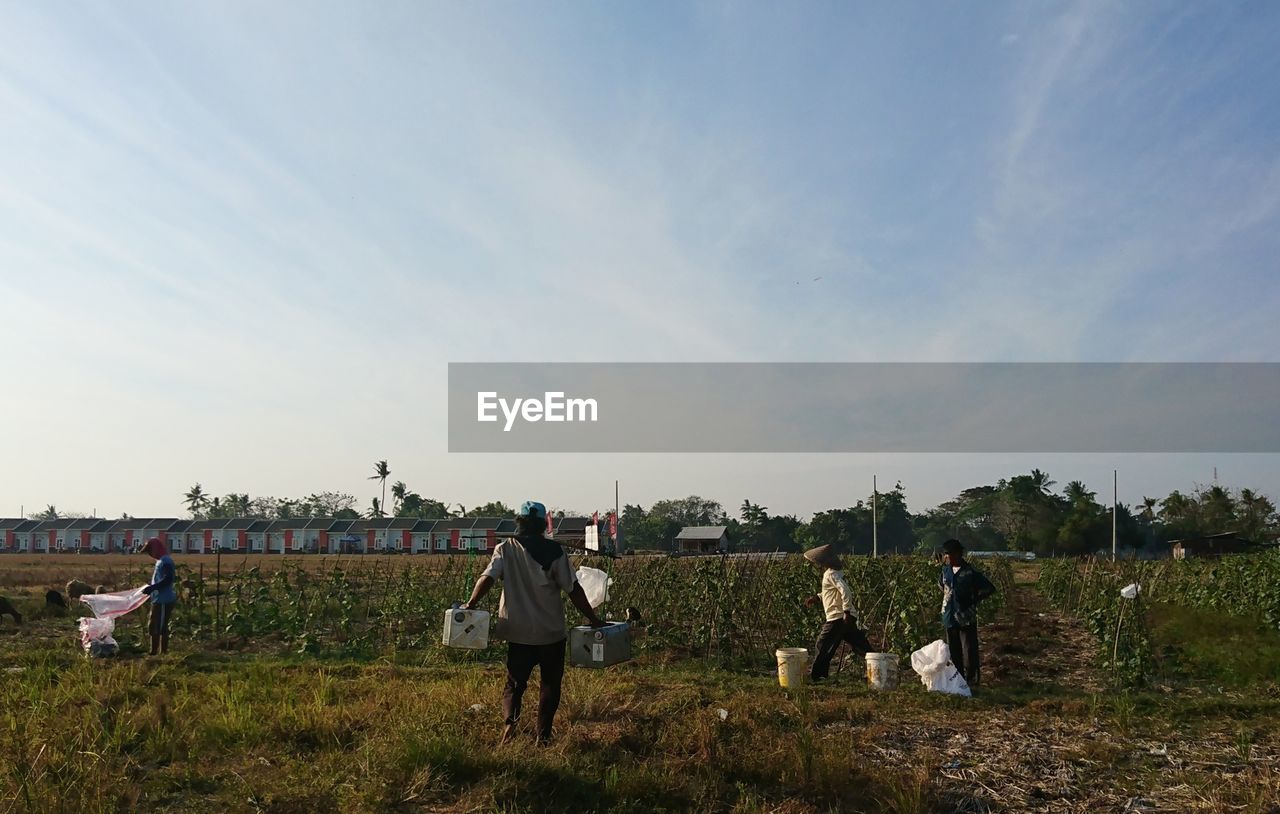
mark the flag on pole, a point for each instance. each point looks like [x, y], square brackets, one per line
[613, 526]
[551, 530]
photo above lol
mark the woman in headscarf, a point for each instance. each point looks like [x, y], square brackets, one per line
[163, 592]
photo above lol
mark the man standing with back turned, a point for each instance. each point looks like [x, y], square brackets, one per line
[534, 571]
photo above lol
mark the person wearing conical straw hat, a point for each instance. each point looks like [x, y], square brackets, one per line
[841, 623]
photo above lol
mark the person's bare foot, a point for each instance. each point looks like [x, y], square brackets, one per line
[508, 732]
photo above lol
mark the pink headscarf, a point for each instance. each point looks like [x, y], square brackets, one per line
[155, 547]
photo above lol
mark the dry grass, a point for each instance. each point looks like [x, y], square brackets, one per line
[206, 731]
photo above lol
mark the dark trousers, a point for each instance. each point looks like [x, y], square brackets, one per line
[161, 614]
[963, 643]
[829, 639]
[521, 659]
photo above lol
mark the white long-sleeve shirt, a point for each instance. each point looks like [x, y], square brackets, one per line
[837, 598]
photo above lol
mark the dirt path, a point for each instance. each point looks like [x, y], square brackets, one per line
[1044, 736]
[1030, 643]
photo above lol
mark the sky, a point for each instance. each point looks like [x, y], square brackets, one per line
[240, 242]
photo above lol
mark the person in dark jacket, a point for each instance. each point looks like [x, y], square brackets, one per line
[963, 587]
[534, 571]
[163, 591]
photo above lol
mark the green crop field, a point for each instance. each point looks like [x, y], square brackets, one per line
[320, 685]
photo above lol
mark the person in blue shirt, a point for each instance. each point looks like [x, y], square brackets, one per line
[163, 592]
[963, 587]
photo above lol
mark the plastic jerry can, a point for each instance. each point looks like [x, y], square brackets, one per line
[468, 629]
[600, 646]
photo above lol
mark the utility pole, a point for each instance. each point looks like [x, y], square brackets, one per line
[617, 522]
[1115, 510]
[875, 538]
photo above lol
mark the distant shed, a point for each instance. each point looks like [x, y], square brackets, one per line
[703, 539]
[1214, 545]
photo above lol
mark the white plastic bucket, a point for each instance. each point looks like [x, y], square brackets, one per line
[882, 671]
[793, 665]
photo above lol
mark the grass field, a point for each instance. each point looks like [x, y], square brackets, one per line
[259, 728]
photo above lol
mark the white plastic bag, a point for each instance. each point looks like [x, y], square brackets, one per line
[949, 680]
[931, 658]
[1131, 591]
[933, 664]
[96, 638]
[595, 584]
[95, 633]
[109, 606]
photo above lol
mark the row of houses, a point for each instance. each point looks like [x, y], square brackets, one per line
[307, 535]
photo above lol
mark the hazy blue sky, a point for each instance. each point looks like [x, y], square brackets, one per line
[240, 242]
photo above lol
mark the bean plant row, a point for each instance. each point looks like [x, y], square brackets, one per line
[1091, 591]
[1238, 585]
[731, 610]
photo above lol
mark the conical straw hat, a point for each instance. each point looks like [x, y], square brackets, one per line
[823, 555]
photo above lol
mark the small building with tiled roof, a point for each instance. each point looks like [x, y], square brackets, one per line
[703, 539]
[178, 540]
[420, 536]
[255, 536]
[45, 537]
[9, 532]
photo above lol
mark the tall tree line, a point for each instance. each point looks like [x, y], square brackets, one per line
[1020, 513]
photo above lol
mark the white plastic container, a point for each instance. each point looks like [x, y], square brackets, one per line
[467, 629]
[882, 671]
[793, 666]
[600, 646]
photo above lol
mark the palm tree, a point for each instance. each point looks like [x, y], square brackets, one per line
[1149, 508]
[50, 513]
[1255, 514]
[398, 490]
[1076, 492]
[375, 511]
[1218, 508]
[196, 500]
[1179, 512]
[1040, 480]
[380, 472]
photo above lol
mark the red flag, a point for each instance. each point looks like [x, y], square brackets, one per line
[613, 526]
[550, 528]
[595, 518]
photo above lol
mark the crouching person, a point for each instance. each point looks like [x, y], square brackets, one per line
[164, 595]
[533, 571]
[841, 619]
